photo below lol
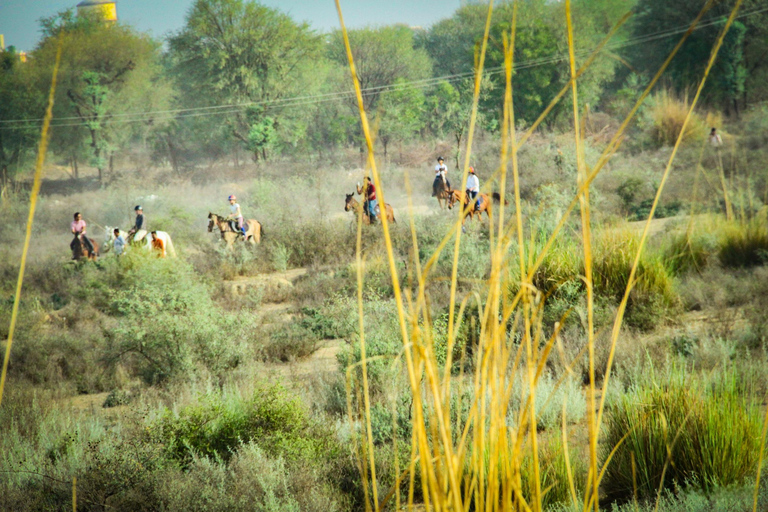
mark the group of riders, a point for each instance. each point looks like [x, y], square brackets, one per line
[441, 186]
[82, 245]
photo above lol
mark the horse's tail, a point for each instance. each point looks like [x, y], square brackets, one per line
[170, 248]
[497, 198]
[261, 231]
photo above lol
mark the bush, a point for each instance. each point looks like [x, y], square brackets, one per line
[216, 426]
[685, 253]
[715, 428]
[667, 114]
[550, 396]
[289, 343]
[653, 292]
[744, 244]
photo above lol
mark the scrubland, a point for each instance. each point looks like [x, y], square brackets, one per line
[159, 388]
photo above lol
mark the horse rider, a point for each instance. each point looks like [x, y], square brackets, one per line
[473, 188]
[368, 191]
[139, 227]
[441, 177]
[236, 215]
[77, 227]
[158, 245]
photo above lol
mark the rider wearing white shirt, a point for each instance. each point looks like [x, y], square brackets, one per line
[473, 187]
[441, 177]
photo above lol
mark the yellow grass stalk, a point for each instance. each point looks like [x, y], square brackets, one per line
[41, 150]
[760, 461]
[646, 229]
[587, 242]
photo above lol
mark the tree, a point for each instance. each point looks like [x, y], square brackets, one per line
[106, 72]
[18, 101]
[742, 65]
[233, 52]
[383, 56]
[400, 114]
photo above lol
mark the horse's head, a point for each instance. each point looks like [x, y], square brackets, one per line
[350, 202]
[451, 198]
[211, 221]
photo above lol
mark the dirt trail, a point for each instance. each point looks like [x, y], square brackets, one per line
[277, 308]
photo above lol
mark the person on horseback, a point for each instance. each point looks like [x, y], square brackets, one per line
[158, 245]
[77, 227]
[368, 191]
[441, 177]
[139, 226]
[473, 188]
[236, 215]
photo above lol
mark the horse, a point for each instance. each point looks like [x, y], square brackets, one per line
[254, 230]
[440, 191]
[141, 240]
[455, 196]
[352, 205]
[80, 250]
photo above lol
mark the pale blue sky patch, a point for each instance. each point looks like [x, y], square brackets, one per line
[19, 18]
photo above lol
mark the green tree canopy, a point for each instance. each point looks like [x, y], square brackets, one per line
[108, 73]
[233, 52]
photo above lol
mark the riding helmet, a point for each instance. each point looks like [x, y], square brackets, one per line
[472, 170]
[137, 208]
[440, 159]
[231, 198]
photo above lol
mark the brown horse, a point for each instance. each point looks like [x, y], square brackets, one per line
[456, 196]
[253, 233]
[352, 205]
[441, 191]
[80, 250]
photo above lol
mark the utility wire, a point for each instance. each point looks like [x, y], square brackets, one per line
[297, 101]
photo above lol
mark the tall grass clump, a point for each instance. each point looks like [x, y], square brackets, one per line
[667, 113]
[653, 292]
[683, 431]
[689, 252]
[744, 244]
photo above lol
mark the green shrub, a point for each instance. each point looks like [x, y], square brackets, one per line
[554, 477]
[216, 426]
[684, 253]
[653, 292]
[289, 343]
[715, 428]
[744, 244]
[549, 401]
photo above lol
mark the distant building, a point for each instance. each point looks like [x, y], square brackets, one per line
[2, 42]
[105, 10]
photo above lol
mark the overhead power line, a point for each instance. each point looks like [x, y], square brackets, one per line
[296, 101]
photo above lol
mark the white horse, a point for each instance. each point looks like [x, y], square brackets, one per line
[142, 238]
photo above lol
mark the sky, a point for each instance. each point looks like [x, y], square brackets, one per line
[19, 18]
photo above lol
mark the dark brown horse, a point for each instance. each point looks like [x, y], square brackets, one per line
[80, 249]
[253, 233]
[350, 204]
[456, 196]
[441, 191]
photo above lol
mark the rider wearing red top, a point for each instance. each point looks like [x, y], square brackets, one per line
[368, 190]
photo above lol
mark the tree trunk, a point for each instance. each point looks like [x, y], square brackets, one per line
[264, 154]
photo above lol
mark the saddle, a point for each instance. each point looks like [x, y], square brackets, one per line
[233, 226]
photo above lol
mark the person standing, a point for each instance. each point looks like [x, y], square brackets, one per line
[78, 228]
[158, 245]
[714, 139]
[473, 188]
[119, 243]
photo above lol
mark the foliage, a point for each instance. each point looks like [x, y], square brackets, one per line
[711, 431]
[221, 422]
[232, 52]
[744, 244]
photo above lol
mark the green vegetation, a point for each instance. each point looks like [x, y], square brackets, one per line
[238, 379]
